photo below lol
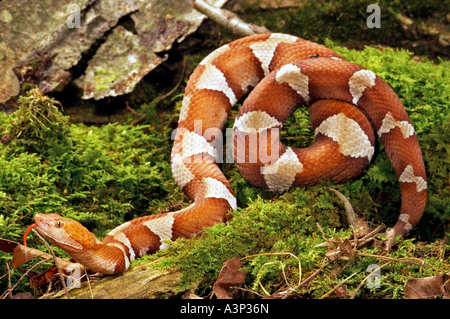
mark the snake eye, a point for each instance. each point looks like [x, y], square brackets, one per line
[59, 224]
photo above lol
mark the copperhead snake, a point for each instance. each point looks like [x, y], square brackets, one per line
[348, 105]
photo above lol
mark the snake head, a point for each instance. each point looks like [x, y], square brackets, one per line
[65, 233]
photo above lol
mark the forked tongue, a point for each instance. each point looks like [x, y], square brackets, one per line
[26, 233]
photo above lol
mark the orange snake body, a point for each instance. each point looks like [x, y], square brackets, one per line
[348, 105]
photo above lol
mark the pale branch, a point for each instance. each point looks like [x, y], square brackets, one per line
[351, 216]
[228, 19]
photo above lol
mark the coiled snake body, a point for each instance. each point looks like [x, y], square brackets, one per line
[348, 105]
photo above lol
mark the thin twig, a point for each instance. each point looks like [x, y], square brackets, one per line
[322, 232]
[346, 265]
[4, 274]
[336, 287]
[133, 111]
[349, 211]
[284, 275]
[61, 277]
[228, 19]
[282, 267]
[377, 229]
[160, 98]
[414, 261]
[307, 280]
[9, 282]
[89, 283]
[10, 290]
[9, 276]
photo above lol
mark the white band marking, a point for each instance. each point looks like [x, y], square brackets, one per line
[185, 104]
[255, 122]
[292, 75]
[213, 55]
[405, 218]
[390, 123]
[181, 174]
[264, 50]
[161, 226]
[120, 236]
[352, 140]
[215, 189]
[359, 81]
[213, 79]
[280, 175]
[193, 143]
[408, 177]
[127, 261]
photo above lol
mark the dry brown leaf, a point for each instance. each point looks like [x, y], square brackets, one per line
[50, 275]
[346, 246]
[229, 276]
[7, 245]
[337, 269]
[435, 286]
[342, 292]
[22, 254]
[334, 254]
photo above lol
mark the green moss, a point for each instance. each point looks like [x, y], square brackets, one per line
[37, 118]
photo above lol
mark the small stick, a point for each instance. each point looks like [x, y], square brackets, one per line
[160, 98]
[10, 290]
[351, 216]
[280, 254]
[228, 19]
[377, 229]
[307, 280]
[89, 283]
[322, 232]
[414, 261]
[61, 277]
[336, 287]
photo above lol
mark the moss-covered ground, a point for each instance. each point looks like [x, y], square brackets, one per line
[104, 175]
